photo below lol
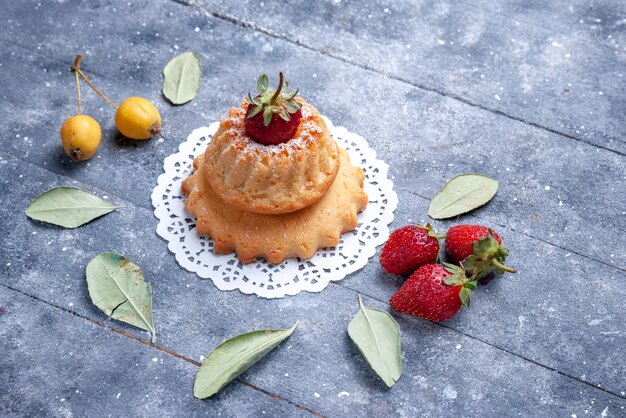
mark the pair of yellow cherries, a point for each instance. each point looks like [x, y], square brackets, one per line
[136, 118]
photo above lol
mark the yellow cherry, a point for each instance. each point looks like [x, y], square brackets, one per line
[137, 118]
[80, 136]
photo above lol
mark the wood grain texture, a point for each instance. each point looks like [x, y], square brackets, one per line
[557, 323]
[559, 64]
[79, 368]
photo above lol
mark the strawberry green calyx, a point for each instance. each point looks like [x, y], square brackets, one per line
[489, 255]
[458, 278]
[273, 102]
[431, 231]
[429, 228]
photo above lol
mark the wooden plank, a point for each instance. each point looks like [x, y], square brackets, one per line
[586, 179]
[446, 371]
[559, 309]
[548, 183]
[57, 364]
[555, 64]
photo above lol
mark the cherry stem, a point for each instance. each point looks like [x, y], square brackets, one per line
[78, 91]
[279, 89]
[76, 69]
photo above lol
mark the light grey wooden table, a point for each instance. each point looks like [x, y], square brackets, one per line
[531, 93]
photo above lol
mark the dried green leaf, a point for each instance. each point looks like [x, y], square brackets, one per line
[182, 78]
[234, 356]
[117, 287]
[462, 194]
[377, 335]
[68, 207]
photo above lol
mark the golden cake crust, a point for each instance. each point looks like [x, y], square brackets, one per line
[277, 237]
[271, 179]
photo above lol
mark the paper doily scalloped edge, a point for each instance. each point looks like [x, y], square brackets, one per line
[261, 278]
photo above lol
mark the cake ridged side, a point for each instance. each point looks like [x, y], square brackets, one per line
[277, 237]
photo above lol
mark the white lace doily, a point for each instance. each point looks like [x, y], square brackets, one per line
[194, 252]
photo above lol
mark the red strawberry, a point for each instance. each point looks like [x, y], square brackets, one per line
[433, 292]
[272, 117]
[478, 249]
[278, 130]
[459, 240]
[408, 248]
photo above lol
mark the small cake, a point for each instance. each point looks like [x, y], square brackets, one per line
[277, 237]
[273, 183]
[272, 179]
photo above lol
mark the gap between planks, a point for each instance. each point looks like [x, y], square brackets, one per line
[182, 2]
[155, 346]
[528, 235]
[254, 27]
[278, 397]
[595, 386]
[248, 25]
[151, 209]
[251, 26]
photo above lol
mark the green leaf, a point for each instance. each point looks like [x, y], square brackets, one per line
[68, 207]
[262, 84]
[117, 287]
[462, 194]
[251, 100]
[291, 94]
[484, 247]
[234, 356]
[182, 78]
[453, 268]
[377, 336]
[470, 263]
